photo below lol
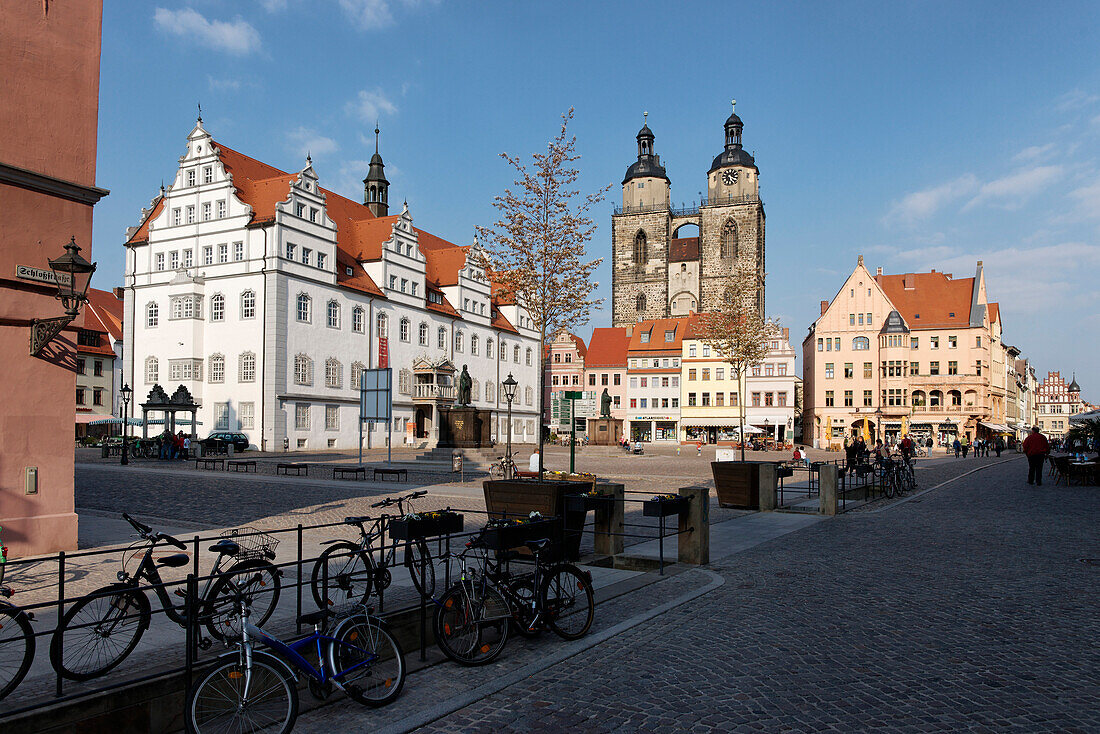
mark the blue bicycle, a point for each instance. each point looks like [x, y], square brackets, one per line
[250, 691]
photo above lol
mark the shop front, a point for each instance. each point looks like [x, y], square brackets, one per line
[947, 433]
[710, 433]
[653, 428]
[891, 431]
[920, 433]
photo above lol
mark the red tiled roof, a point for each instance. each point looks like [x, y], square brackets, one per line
[502, 323]
[994, 312]
[142, 233]
[444, 308]
[657, 329]
[683, 249]
[933, 301]
[444, 259]
[607, 347]
[107, 311]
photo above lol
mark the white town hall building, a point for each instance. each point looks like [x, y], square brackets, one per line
[265, 295]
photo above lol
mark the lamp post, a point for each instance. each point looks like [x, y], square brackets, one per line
[72, 274]
[767, 426]
[510, 386]
[126, 392]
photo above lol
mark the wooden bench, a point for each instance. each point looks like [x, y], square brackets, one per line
[297, 466]
[398, 474]
[208, 463]
[237, 464]
[357, 471]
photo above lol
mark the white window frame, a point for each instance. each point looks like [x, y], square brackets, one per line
[246, 367]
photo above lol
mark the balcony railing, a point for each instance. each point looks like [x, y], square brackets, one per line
[686, 210]
[434, 392]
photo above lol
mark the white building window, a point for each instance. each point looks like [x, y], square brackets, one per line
[246, 367]
[185, 369]
[321, 260]
[187, 258]
[207, 211]
[191, 215]
[383, 326]
[217, 308]
[357, 319]
[246, 413]
[303, 308]
[404, 382]
[313, 214]
[332, 315]
[177, 216]
[515, 354]
[217, 368]
[489, 390]
[289, 251]
[301, 416]
[405, 328]
[503, 351]
[174, 260]
[356, 374]
[186, 307]
[191, 177]
[303, 370]
[238, 251]
[333, 376]
[475, 390]
[221, 209]
[458, 341]
[332, 417]
[306, 252]
[223, 253]
[422, 334]
[300, 209]
[208, 255]
[152, 315]
[441, 339]
[529, 395]
[248, 305]
[473, 345]
[530, 352]
[489, 348]
[152, 370]
[158, 261]
[207, 174]
[221, 416]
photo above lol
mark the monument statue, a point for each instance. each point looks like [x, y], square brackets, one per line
[465, 384]
[605, 404]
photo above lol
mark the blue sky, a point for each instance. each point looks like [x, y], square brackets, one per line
[922, 135]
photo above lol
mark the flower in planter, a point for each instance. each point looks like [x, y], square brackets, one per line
[665, 497]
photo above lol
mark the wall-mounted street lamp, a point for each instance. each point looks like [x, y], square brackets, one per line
[72, 274]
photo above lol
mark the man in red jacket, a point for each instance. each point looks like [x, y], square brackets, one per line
[1036, 449]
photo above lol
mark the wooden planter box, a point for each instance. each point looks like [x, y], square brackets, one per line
[665, 508]
[511, 536]
[737, 484]
[450, 522]
[512, 498]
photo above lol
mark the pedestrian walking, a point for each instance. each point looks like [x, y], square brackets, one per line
[1036, 449]
[999, 446]
[957, 445]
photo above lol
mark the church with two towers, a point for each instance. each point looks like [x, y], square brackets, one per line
[668, 262]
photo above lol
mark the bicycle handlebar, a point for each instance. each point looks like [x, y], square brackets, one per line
[169, 539]
[140, 527]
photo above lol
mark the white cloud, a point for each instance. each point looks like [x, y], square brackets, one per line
[273, 6]
[368, 14]
[1075, 99]
[1033, 153]
[306, 141]
[1088, 200]
[920, 205]
[369, 106]
[223, 85]
[1012, 190]
[235, 37]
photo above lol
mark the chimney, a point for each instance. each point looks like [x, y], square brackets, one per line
[910, 281]
[118, 291]
[824, 307]
[879, 270]
[786, 334]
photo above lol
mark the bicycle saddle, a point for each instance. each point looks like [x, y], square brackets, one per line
[315, 618]
[175, 560]
[225, 546]
[537, 545]
[356, 520]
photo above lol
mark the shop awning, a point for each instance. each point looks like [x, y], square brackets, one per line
[706, 423]
[997, 427]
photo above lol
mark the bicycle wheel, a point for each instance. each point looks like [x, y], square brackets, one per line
[496, 471]
[367, 660]
[350, 575]
[471, 623]
[417, 557]
[16, 647]
[567, 601]
[523, 613]
[259, 580]
[99, 631]
[228, 699]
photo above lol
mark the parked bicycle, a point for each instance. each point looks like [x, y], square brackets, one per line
[16, 636]
[894, 476]
[474, 617]
[504, 467]
[101, 629]
[352, 573]
[249, 690]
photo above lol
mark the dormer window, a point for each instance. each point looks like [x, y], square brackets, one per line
[645, 337]
[670, 335]
[435, 297]
[300, 209]
[348, 270]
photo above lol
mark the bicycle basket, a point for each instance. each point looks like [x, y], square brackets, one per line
[253, 543]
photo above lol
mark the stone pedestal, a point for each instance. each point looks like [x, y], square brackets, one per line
[769, 485]
[464, 428]
[693, 543]
[827, 483]
[608, 526]
[605, 431]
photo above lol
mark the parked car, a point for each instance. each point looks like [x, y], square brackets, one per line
[216, 442]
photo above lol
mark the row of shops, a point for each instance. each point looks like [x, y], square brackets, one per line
[666, 429]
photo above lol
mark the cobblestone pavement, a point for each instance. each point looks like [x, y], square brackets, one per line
[967, 608]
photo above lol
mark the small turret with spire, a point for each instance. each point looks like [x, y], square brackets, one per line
[375, 185]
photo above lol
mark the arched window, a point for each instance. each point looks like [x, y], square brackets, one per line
[333, 376]
[475, 389]
[404, 329]
[729, 240]
[474, 341]
[861, 343]
[246, 367]
[303, 370]
[529, 354]
[304, 308]
[152, 315]
[641, 254]
[332, 314]
[515, 354]
[217, 368]
[383, 326]
[422, 334]
[529, 395]
[357, 319]
[404, 381]
[935, 398]
[489, 391]
[217, 308]
[152, 370]
[441, 337]
[356, 374]
[458, 341]
[489, 348]
[639, 302]
[503, 351]
[918, 399]
[955, 397]
[248, 305]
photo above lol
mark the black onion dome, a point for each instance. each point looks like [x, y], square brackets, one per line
[732, 157]
[646, 167]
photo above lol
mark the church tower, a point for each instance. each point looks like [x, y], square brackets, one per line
[639, 239]
[375, 185]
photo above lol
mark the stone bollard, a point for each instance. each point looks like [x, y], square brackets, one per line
[769, 484]
[608, 525]
[828, 483]
[694, 546]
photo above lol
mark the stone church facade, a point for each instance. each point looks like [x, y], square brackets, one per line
[656, 273]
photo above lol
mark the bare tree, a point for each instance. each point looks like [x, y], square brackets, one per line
[737, 330]
[536, 253]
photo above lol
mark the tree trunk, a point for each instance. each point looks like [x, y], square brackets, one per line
[542, 396]
[741, 414]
